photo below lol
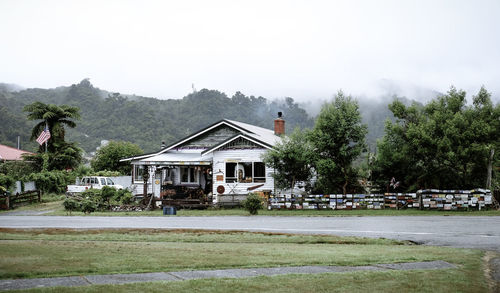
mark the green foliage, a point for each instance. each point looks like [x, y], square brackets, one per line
[51, 181]
[6, 182]
[88, 206]
[102, 199]
[108, 157]
[291, 158]
[107, 173]
[338, 138]
[124, 197]
[143, 121]
[83, 170]
[55, 117]
[253, 203]
[17, 169]
[107, 193]
[95, 196]
[444, 144]
[60, 154]
[71, 205]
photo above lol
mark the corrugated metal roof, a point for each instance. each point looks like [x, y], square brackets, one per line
[178, 158]
[11, 154]
[259, 133]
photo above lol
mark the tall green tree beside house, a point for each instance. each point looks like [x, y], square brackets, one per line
[338, 138]
[108, 157]
[292, 159]
[445, 144]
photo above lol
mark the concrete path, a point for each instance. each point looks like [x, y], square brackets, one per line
[191, 275]
[455, 231]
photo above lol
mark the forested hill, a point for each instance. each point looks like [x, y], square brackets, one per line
[148, 121]
[144, 121]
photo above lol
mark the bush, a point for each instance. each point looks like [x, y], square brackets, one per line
[124, 197]
[88, 206]
[50, 181]
[71, 205]
[252, 204]
[107, 173]
[6, 182]
[107, 193]
[95, 196]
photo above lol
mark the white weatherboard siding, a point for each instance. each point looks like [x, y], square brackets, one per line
[249, 155]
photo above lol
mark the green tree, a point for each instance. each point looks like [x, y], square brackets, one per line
[445, 144]
[55, 117]
[338, 139]
[108, 157]
[61, 154]
[291, 158]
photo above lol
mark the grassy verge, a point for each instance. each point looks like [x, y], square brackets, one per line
[59, 211]
[51, 202]
[393, 281]
[62, 252]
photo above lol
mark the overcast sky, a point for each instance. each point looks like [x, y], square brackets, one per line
[303, 49]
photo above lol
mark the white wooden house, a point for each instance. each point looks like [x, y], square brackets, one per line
[224, 158]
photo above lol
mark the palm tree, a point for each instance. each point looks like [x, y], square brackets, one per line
[54, 116]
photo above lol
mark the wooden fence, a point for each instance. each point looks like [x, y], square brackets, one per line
[11, 201]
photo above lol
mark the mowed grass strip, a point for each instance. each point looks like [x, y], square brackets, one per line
[49, 254]
[182, 235]
[466, 279]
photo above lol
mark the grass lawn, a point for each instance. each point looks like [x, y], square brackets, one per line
[60, 252]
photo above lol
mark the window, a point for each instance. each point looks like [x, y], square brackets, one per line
[93, 180]
[103, 181]
[245, 172]
[138, 171]
[259, 172]
[189, 175]
[231, 172]
[110, 182]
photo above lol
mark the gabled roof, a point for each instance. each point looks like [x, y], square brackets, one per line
[254, 133]
[11, 154]
[241, 135]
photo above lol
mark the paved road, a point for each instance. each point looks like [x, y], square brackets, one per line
[469, 232]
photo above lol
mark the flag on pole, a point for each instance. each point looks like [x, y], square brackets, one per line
[44, 136]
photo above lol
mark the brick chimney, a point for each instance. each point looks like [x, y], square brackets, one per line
[279, 125]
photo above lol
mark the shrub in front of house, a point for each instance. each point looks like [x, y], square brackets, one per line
[252, 204]
[88, 206]
[71, 205]
[124, 197]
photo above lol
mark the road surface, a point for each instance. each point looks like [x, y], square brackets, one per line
[455, 231]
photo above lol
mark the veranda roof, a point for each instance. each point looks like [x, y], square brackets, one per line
[177, 158]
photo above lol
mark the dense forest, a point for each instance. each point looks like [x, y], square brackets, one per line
[148, 121]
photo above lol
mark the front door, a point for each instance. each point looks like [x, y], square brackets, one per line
[157, 183]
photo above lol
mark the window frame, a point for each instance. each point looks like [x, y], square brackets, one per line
[138, 176]
[233, 178]
[190, 171]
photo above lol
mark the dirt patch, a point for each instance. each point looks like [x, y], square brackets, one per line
[491, 263]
